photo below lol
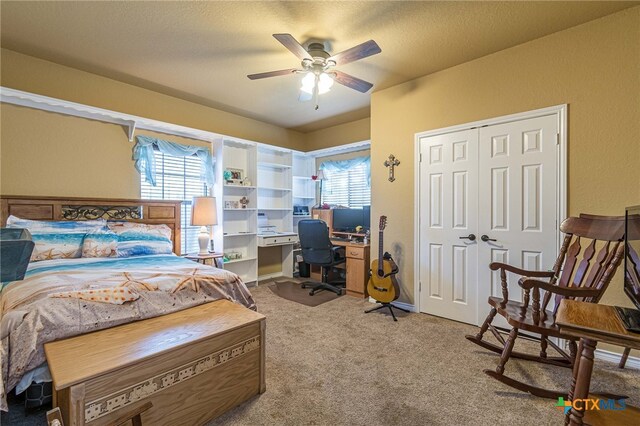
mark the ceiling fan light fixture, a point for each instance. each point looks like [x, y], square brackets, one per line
[308, 82]
[317, 65]
[324, 83]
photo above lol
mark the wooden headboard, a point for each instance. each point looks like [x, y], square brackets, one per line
[153, 212]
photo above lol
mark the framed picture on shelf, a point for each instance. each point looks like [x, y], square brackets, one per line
[232, 204]
[233, 176]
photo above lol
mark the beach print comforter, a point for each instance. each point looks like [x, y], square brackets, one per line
[30, 317]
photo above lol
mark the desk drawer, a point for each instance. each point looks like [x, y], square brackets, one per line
[355, 252]
[277, 240]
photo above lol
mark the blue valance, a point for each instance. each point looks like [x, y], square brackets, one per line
[144, 159]
[342, 165]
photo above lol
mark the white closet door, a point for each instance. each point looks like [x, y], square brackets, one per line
[449, 206]
[499, 182]
[518, 201]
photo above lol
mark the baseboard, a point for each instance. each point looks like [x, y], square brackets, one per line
[632, 361]
[403, 305]
[270, 276]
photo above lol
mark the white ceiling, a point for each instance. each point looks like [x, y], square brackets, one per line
[202, 51]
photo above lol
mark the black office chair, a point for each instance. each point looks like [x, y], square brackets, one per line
[318, 250]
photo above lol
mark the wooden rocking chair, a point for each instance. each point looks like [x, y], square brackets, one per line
[588, 283]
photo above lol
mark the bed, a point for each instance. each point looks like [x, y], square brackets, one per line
[160, 283]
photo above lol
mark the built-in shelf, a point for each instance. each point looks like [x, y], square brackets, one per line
[274, 189]
[239, 234]
[239, 186]
[273, 165]
[244, 259]
[130, 122]
[303, 177]
[301, 216]
[304, 198]
[277, 210]
[240, 210]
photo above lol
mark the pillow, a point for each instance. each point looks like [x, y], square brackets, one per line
[100, 244]
[137, 239]
[60, 227]
[56, 240]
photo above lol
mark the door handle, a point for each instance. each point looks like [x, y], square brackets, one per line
[486, 238]
[470, 237]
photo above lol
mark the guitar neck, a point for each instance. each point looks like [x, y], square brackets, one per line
[380, 255]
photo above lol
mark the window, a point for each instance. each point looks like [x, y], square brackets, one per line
[177, 178]
[347, 188]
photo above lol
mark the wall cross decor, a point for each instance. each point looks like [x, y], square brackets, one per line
[392, 162]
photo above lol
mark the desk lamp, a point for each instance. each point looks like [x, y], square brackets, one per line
[204, 213]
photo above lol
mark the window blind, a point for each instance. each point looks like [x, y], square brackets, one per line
[177, 178]
[347, 188]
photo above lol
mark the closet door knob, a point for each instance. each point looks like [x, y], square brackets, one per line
[486, 238]
[470, 237]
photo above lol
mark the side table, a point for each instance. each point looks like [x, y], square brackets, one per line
[216, 258]
[593, 323]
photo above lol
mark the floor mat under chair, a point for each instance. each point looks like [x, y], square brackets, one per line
[294, 292]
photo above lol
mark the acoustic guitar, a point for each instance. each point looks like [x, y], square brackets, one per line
[383, 285]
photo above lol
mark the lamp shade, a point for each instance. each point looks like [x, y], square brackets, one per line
[320, 175]
[203, 211]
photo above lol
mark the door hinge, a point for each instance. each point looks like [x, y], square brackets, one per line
[557, 138]
[421, 157]
[420, 286]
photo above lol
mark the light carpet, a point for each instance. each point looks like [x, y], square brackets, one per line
[334, 365]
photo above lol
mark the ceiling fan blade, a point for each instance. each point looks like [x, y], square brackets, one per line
[292, 44]
[368, 48]
[352, 82]
[271, 74]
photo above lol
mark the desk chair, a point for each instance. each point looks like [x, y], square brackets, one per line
[318, 250]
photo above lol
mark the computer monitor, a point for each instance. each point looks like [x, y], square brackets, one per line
[632, 255]
[366, 217]
[346, 220]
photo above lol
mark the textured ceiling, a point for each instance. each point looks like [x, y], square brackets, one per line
[202, 51]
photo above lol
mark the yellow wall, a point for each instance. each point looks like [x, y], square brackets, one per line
[594, 68]
[269, 260]
[52, 154]
[34, 75]
[342, 134]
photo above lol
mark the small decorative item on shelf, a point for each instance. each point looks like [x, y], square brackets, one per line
[246, 182]
[233, 176]
[233, 255]
[232, 204]
[244, 201]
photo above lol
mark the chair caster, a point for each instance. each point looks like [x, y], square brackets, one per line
[311, 293]
[303, 286]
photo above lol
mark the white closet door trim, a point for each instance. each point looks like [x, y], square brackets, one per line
[559, 110]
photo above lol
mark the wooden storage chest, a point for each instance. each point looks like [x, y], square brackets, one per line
[192, 365]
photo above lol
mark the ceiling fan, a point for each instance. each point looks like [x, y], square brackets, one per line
[318, 66]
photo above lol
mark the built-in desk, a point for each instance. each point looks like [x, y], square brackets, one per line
[357, 267]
